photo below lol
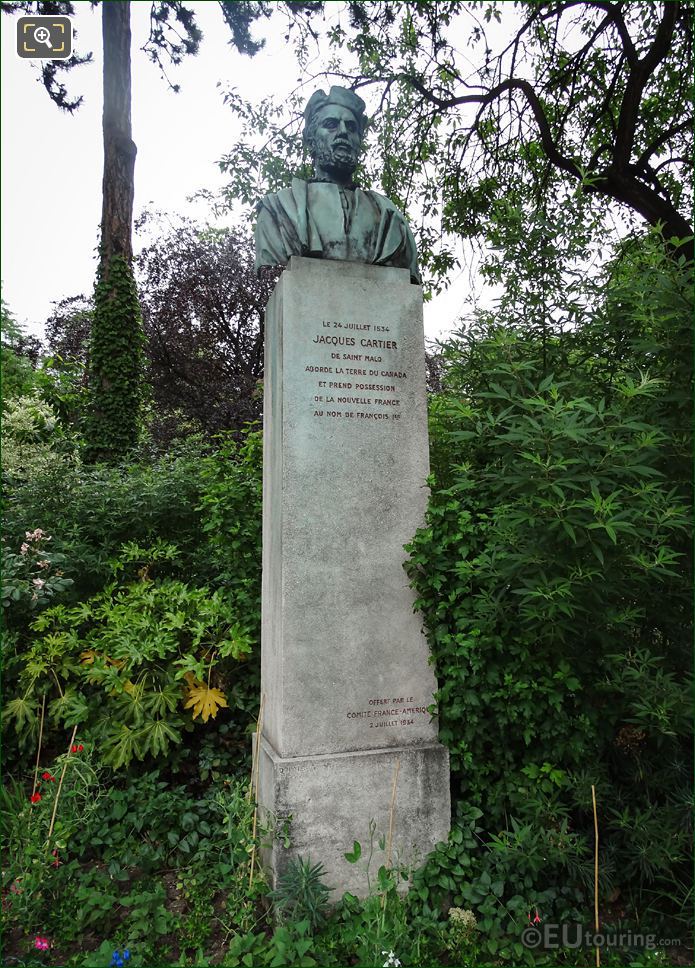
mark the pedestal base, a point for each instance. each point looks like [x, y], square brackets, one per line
[319, 805]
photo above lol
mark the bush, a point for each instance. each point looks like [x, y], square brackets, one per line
[553, 576]
[206, 502]
[90, 512]
[33, 442]
[127, 664]
[231, 508]
[142, 864]
[154, 574]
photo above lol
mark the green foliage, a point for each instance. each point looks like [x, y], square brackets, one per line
[128, 542]
[91, 512]
[208, 504]
[231, 517]
[17, 366]
[463, 928]
[503, 878]
[124, 661]
[33, 575]
[143, 863]
[41, 400]
[35, 864]
[33, 441]
[62, 385]
[195, 929]
[553, 575]
[301, 894]
[289, 945]
[373, 926]
[115, 365]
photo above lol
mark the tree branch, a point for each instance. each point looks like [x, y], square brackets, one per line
[512, 84]
[637, 79]
[662, 140]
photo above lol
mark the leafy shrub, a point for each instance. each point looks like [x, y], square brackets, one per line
[126, 664]
[33, 442]
[301, 894]
[207, 503]
[106, 871]
[38, 838]
[30, 577]
[112, 530]
[553, 576]
[19, 355]
[91, 512]
[231, 508]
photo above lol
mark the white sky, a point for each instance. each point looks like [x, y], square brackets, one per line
[52, 162]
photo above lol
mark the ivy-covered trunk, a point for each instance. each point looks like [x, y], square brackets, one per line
[116, 358]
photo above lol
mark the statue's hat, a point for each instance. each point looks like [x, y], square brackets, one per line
[341, 96]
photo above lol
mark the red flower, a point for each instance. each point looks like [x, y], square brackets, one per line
[47, 776]
[35, 797]
[80, 748]
[73, 749]
[76, 748]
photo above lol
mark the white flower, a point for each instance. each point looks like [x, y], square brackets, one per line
[391, 960]
[463, 919]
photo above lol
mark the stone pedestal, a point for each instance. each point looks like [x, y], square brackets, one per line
[345, 670]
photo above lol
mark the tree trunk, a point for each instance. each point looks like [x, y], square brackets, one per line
[119, 149]
[116, 357]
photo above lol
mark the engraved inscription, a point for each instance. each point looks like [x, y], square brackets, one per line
[369, 391]
[390, 711]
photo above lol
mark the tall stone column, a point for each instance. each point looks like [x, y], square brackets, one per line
[345, 671]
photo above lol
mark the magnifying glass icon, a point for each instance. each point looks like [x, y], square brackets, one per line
[42, 35]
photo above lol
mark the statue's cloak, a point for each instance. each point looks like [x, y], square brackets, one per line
[321, 220]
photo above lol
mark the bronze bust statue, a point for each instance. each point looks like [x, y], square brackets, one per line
[329, 217]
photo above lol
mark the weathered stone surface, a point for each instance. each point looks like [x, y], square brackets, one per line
[324, 803]
[345, 665]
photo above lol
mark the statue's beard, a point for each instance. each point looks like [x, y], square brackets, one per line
[338, 158]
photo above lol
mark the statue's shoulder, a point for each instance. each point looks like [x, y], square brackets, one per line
[284, 198]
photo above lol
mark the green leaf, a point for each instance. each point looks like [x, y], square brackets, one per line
[22, 711]
[356, 853]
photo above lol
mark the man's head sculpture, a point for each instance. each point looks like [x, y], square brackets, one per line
[334, 126]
